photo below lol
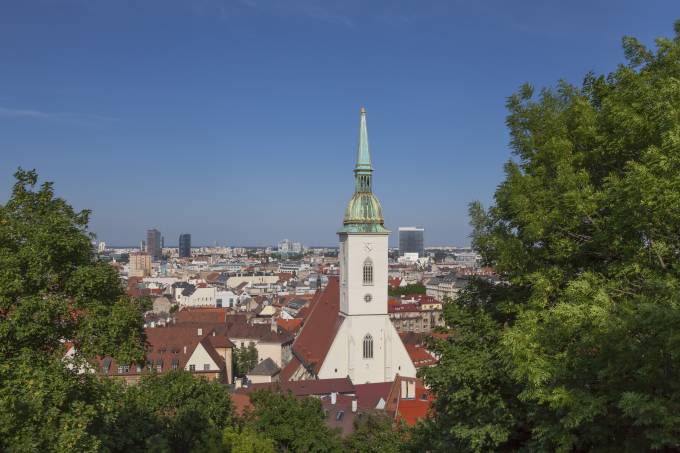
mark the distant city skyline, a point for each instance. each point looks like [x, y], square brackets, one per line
[236, 121]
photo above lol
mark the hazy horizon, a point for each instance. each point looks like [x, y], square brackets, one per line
[237, 121]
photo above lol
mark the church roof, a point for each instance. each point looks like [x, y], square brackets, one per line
[320, 327]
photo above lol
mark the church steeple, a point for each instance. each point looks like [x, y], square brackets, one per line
[363, 153]
[363, 213]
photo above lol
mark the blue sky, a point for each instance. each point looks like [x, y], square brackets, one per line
[237, 120]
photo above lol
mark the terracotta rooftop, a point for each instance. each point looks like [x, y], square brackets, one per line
[409, 409]
[368, 395]
[171, 348]
[420, 356]
[320, 327]
[289, 325]
[306, 388]
[202, 314]
[241, 402]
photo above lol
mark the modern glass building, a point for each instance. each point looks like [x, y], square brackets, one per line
[185, 245]
[153, 244]
[411, 240]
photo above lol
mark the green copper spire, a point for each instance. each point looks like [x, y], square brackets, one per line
[363, 154]
[363, 213]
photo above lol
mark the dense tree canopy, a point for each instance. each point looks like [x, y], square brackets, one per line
[579, 349]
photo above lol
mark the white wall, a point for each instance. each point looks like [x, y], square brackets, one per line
[346, 353]
[354, 249]
[202, 297]
[199, 358]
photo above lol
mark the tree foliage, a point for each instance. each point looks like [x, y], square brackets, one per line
[245, 359]
[413, 288]
[293, 424]
[375, 433]
[579, 350]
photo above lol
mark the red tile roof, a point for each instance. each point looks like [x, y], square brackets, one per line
[173, 345]
[202, 314]
[241, 402]
[320, 327]
[419, 356]
[308, 387]
[289, 369]
[289, 325]
[394, 282]
[368, 395]
[412, 409]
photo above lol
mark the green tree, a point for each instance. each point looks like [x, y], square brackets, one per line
[177, 408]
[375, 433]
[245, 359]
[246, 441]
[413, 288]
[52, 289]
[584, 230]
[293, 424]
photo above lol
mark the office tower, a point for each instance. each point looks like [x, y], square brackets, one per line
[185, 245]
[411, 240]
[153, 243]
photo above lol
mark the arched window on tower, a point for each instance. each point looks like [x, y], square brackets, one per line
[368, 346]
[368, 272]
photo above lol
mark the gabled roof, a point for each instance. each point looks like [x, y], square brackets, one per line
[412, 409]
[168, 346]
[368, 395]
[320, 327]
[289, 325]
[267, 367]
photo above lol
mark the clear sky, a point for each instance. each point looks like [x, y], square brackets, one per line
[237, 120]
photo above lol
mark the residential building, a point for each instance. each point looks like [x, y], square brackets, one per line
[443, 287]
[193, 296]
[203, 352]
[185, 245]
[416, 314]
[139, 264]
[411, 240]
[265, 337]
[264, 372]
[153, 244]
[348, 331]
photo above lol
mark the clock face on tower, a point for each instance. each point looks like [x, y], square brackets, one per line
[368, 246]
[368, 298]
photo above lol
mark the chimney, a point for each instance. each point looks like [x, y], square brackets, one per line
[354, 405]
[334, 397]
[185, 349]
[200, 331]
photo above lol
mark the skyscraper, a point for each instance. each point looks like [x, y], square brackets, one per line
[153, 243]
[411, 240]
[185, 245]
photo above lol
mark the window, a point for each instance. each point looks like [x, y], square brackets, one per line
[206, 367]
[368, 347]
[192, 367]
[159, 368]
[368, 272]
[120, 369]
[126, 368]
